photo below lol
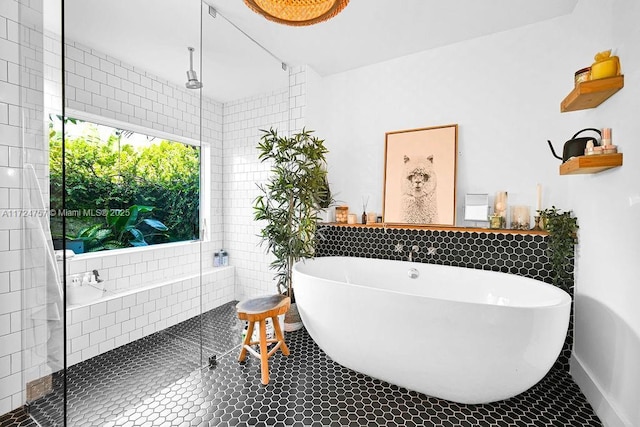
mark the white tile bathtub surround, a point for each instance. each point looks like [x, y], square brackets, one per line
[102, 326]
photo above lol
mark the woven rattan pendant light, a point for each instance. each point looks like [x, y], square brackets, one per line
[297, 12]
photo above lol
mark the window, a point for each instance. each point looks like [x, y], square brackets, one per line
[122, 188]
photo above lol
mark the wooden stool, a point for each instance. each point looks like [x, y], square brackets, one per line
[259, 310]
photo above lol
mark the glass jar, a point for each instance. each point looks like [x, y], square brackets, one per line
[342, 214]
[495, 221]
[520, 218]
[582, 75]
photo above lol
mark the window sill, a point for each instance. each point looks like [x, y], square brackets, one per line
[133, 250]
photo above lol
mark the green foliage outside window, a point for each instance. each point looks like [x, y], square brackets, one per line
[154, 184]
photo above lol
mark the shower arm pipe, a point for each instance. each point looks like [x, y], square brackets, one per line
[191, 58]
[214, 13]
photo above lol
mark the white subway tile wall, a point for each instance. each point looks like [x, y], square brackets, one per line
[104, 325]
[243, 120]
[139, 267]
[105, 86]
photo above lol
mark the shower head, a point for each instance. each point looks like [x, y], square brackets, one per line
[192, 77]
[193, 82]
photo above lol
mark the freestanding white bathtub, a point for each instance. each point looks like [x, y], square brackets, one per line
[469, 336]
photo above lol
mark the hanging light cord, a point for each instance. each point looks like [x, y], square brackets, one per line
[214, 13]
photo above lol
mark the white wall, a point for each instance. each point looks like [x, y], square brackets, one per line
[607, 352]
[504, 92]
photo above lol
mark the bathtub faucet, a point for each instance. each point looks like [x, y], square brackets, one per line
[414, 250]
[399, 249]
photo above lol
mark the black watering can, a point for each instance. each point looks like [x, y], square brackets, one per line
[575, 146]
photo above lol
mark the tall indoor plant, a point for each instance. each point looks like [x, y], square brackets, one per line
[289, 201]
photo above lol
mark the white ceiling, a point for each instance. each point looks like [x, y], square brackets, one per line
[154, 35]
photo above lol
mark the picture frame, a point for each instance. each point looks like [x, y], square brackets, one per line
[420, 176]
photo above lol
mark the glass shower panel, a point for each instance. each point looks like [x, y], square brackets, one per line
[245, 88]
[123, 138]
[42, 305]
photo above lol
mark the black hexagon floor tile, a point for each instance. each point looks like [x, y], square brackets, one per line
[156, 381]
[17, 418]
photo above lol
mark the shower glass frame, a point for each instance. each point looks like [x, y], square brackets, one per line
[50, 70]
[42, 69]
[42, 308]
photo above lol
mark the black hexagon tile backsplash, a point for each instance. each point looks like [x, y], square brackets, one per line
[158, 381]
[521, 254]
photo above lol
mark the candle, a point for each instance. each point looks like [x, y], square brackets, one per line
[495, 221]
[539, 205]
[520, 217]
[341, 213]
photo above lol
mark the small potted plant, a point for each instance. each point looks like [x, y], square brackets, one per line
[562, 228]
[325, 201]
[289, 203]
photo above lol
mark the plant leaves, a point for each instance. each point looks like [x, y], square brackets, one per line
[289, 201]
[155, 224]
[138, 238]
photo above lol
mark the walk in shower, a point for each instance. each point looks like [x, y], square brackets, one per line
[119, 294]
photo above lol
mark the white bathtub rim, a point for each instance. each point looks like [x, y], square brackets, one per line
[563, 297]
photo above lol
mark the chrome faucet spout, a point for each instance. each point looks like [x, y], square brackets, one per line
[399, 249]
[414, 250]
[97, 276]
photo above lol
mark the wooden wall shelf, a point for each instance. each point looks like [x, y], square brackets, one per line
[591, 164]
[440, 228]
[591, 93]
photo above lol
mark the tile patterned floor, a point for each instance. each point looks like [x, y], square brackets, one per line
[157, 381]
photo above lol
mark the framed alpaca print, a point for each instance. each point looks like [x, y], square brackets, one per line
[420, 176]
